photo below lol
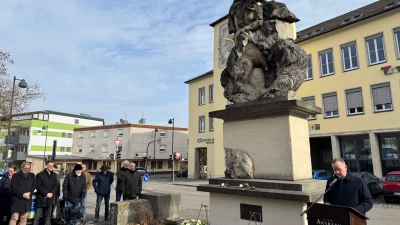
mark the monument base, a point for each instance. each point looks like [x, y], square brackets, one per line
[271, 202]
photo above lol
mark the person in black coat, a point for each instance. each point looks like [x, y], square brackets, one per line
[131, 183]
[6, 196]
[347, 190]
[46, 186]
[74, 190]
[23, 185]
[102, 186]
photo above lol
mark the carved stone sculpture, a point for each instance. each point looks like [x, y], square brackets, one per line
[264, 63]
[238, 164]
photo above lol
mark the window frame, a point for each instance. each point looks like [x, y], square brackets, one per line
[120, 132]
[80, 135]
[330, 94]
[162, 149]
[202, 96]
[106, 133]
[325, 52]
[348, 45]
[92, 148]
[93, 134]
[104, 148]
[381, 85]
[202, 118]
[211, 93]
[159, 162]
[397, 41]
[211, 123]
[76, 121]
[354, 90]
[374, 37]
[309, 61]
[313, 116]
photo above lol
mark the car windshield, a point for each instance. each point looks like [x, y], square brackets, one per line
[393, 178]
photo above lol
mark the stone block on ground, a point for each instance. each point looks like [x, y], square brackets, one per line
[131, 212]
[164, 205]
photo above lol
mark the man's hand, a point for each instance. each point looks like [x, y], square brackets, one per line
[49, 195]
[26, 195]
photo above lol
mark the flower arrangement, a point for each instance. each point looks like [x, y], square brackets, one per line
[246, 186]
[192, 222]
[225, 185]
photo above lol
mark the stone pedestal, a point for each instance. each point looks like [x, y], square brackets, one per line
[164, 205]
[130, 212]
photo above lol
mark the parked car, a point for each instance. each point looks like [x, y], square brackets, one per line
[321, 174]
[141, 170]
[182, 173]
[391, 186]
[2, 174]
[375, 185]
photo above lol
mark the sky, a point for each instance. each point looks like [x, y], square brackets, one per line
[116, 59]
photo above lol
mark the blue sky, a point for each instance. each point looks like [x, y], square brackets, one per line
[111, 58]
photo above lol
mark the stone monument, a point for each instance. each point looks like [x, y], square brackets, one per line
[266, 134]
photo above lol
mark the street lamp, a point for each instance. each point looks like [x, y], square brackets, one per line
[45, 127]
[172, 121]
[21, 84]
[147, 150]
[154, 154]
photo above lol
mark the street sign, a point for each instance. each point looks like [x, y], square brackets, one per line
[145, 178]
[117, 142]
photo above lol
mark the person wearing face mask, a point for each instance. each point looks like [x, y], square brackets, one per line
[347, 190]
[6, 196]
[74, 190]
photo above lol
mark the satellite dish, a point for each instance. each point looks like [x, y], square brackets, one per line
[121, 120]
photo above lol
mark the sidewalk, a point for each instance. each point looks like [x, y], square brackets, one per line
[187, 182]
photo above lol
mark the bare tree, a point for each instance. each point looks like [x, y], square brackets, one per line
[22, 96]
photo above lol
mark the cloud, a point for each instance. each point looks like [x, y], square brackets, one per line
[111, 58]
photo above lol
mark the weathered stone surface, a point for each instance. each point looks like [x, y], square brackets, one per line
[131, 212]
[264, 63]
[164, 205]
[238, 164]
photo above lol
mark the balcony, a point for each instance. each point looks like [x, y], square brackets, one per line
[17, 140]
[21, 156]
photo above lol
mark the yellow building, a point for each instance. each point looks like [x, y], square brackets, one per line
[353, 76]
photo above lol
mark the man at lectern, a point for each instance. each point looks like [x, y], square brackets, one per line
[347, 190]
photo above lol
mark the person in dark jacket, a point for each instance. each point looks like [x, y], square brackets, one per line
[6, 196]
[120, 175]
[74, 190]
[102, 186]
[23, 185]
[46, 186]
[348, 190]
[131, 183]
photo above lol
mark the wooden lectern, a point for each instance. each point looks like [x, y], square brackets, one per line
[334, 215]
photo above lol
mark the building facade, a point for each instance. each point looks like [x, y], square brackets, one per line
[136, 143]
[353, 75]
[33, 133]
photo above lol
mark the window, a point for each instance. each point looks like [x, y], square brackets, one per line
[63, 134]
[330, 105]
[69, 135]
[211, 89]
[311, 101]
[162, 148]
[202, 96]
[376, 50]
[202, 124]
[354, 101]
[62, 149]
[104, 148]
[92, 148]
[68, 149]
[309, 68]
[159, 164]
[326, 61]
[46, 117]
[397, 39]
[169, 164]
[349, 56]
[92, 134]
[163, 134]
[153, 164]
[120, 132]
[80, 150]
[211, 124]
[141, 164]
[80, 135]
[106, 133]
[76, 121]
[382, 97]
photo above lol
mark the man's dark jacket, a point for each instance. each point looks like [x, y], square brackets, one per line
[132, 184]
[45, 183]
[5, 195]
[350, 191]
[20, 185]
[74, 187]
[102, 183]
[120, 174]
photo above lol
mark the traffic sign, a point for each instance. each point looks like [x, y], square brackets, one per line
[145, 178]
[117, 142]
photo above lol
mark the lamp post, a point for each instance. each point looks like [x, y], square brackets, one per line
[21, 84]
[172, 121]
[147, 150]
[154, 153]
[46, 127]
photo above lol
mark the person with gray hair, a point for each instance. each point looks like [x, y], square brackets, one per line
[23, 184]
[120, 175]
[347, 190]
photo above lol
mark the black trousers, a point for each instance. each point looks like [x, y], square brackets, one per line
[44, 213]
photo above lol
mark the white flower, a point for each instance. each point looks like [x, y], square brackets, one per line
[241, 185]
[223, 185]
